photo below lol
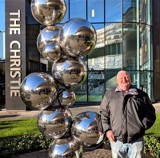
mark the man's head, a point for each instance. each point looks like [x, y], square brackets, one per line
[123, 80]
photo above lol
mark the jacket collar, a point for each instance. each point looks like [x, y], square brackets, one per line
[132, 90]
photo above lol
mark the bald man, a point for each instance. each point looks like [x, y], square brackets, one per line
[126, 112]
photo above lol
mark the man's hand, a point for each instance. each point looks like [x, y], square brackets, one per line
[110, 135]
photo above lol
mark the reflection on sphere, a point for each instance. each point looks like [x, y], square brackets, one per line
[48, 12]
[77, 37]
[85, 129]
[66, 148]
[38, 90]
[67, 97]
[55, 123]
[56, 105]
[69, 72]
[51, 51]
[46, 36]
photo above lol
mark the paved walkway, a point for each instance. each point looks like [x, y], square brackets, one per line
[97, 153]
[22, 114]
[75, 110]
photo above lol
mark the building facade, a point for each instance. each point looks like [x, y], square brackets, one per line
[127, 38]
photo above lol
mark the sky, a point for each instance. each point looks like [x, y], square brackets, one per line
[2, 16]
[2, 27]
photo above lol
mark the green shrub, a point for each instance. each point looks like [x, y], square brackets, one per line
[152, 146]
[17, 145]
[28, 143]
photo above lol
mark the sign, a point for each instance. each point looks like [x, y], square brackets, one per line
[15, 52]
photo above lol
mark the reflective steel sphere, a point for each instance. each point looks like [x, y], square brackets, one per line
[55, 123]
[67, 97]
[48, 12]
[48, 35]
[65, 148]
[85, 129]
[77, 37]
[69, 72]
[56, 105]
[51, 51]
[38, 90]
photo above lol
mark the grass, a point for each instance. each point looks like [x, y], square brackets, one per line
[18, 127]
[29, 127]
[155, 129]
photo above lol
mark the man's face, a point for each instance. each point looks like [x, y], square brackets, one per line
[123, 80]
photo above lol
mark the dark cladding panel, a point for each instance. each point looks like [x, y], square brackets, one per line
[32, 32]
[15, 52]
[156, 49]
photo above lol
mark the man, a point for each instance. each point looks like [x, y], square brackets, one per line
[126, 112]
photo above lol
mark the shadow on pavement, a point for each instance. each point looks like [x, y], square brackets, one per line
[7, 116]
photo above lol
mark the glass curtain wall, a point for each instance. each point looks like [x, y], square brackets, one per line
[124, 30]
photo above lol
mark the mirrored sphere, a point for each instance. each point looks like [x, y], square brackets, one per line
[77, 37]
[56, 105]
[65, 148]
[48, 12]
[48, 35]
[67, 97]
[85, 129]
[51, 51]
[55, 123]
[69, 72]
[38, 90]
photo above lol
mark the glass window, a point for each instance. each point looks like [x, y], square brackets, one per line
[145, 48]
[96, 82]
[110, 79]
[130, 46]
[147, 82]
[96, 57]
[78, 9]
[113, 46]
[130, 10]
[145, 11]
[100, 35]
[113, 10]
[96, 62]
[98, 26]
[95, 10]
[81, 92]
[135, 78]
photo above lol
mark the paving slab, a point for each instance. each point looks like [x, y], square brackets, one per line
[96, 153]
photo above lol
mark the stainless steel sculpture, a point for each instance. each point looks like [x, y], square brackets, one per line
[51, 51]
[85, 129]
[69, 72]
[56, 105]
[77, 37]
[65, 148]
[48, 12]
[55, 123]
[48, 35]
[64, 46]
[38, 90]
[67, 97]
